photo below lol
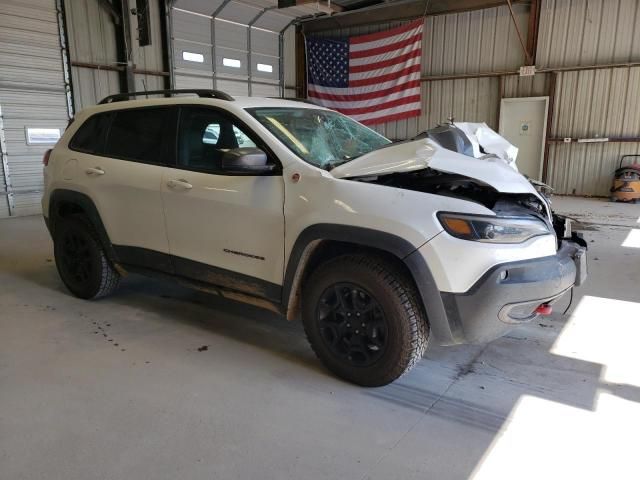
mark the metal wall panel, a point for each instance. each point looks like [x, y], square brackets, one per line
[577, 32]
[91, 85]
[517, 86]
[92, 40]
[602, 102]
[32, 95]
[472, 42]
[590, 104]
[586, 169]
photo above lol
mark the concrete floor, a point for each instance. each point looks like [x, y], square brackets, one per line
[159, 382]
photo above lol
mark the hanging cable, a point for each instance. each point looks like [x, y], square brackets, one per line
[570, 302]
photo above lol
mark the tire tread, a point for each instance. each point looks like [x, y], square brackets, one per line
[398, 285]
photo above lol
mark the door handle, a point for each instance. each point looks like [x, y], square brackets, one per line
[94, 171]
[180, 183]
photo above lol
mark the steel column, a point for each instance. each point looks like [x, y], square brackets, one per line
[64, 48]
[5, 168]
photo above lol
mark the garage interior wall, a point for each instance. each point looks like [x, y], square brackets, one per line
[589, 57]
[33, 95]
[96, 65]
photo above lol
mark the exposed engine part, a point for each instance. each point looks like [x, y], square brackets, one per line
[459, 186]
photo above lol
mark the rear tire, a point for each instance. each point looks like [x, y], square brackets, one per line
[362, 319]
[81, 260]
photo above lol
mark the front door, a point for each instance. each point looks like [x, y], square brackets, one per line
[223, 229]
[523, 122]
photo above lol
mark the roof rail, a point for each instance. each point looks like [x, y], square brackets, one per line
[119, 97]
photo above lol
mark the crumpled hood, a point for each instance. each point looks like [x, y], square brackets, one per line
[420, 154]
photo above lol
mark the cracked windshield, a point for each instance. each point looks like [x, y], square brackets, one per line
[322, 138]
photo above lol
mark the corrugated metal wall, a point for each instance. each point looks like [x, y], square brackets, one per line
[591, 103]
[32, 95]
[580, 32]
[92, 40]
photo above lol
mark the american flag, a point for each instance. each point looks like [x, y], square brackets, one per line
[372, 78]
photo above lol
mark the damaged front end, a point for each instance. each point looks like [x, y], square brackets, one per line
[465, 188]
[467, 161]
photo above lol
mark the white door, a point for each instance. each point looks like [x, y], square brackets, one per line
[223, 228]
[523, 121]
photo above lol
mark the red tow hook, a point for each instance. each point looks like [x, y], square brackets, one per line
[545, 309]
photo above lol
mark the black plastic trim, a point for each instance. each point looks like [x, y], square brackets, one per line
[86, 204]
[227, 279]
[145, 258]
[475, 313]
[202, 93]
[388, 242]
[342, 233]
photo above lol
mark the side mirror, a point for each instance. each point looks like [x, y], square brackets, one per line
[246, 161]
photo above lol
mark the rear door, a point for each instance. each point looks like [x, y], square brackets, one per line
[122, 172]
[225, 229]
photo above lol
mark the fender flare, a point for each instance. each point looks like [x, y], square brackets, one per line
[403, 250]
[93, 216]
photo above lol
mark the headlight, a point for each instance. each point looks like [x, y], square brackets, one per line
[483, 228]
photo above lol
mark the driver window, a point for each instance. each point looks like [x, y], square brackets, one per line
[205, 136]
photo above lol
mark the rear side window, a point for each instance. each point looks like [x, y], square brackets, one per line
[139, 134]
[91, 135]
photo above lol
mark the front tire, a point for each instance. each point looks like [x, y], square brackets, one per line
[362, 319]
[81, 261]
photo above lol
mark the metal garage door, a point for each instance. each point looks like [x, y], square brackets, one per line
[235, 46]
[34, 107]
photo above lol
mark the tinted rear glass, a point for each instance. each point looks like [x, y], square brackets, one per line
[90, 136]
[138, 134]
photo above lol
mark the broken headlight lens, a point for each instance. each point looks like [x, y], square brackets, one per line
[483, 228]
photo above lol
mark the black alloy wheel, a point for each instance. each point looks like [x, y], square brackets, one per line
[81, 261]
[363, 319]
[75, 257]
[352, 324]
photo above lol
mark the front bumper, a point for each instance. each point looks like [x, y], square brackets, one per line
[509, 293]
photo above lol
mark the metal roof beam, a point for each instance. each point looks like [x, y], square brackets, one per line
[396, 11]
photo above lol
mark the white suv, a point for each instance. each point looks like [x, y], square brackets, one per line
[379, 247]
